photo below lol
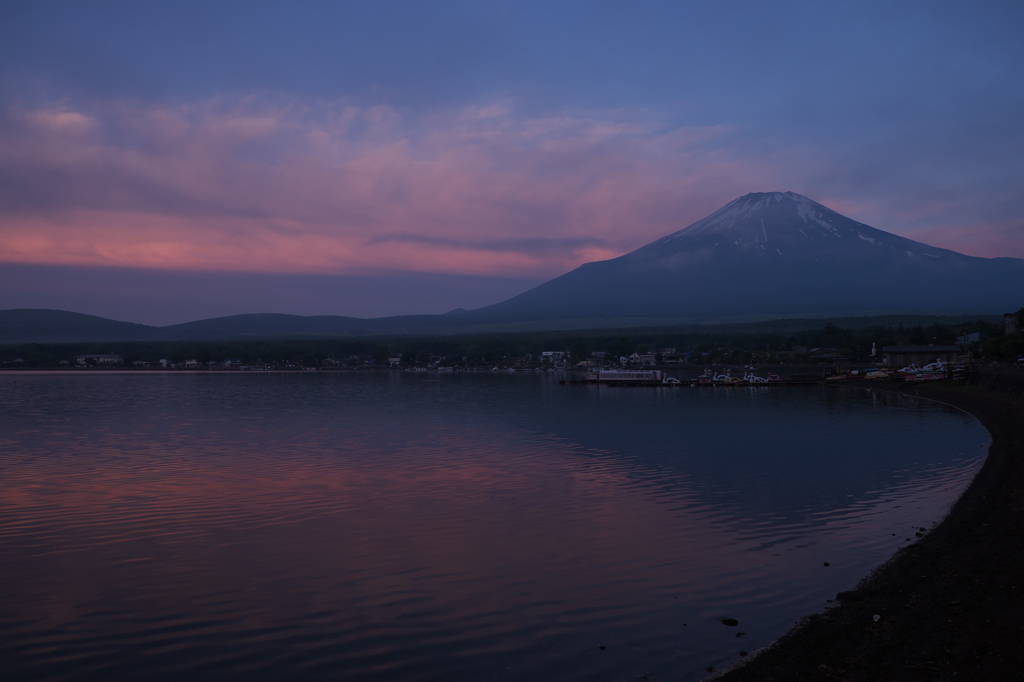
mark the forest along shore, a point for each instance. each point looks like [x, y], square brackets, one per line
[947, 607]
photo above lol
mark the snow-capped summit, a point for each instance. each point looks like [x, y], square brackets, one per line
[774, 254]
[783, 223]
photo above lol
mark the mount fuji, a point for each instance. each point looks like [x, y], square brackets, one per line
[763, 256]
[773, 254]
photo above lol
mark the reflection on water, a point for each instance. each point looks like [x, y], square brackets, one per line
[416, 527]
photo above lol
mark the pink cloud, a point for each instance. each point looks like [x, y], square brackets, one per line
[62, 122]
[286, 188]
[283, 185]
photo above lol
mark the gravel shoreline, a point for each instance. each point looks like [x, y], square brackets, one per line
[947, 607]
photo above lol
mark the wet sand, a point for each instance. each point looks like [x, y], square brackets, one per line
[949, 606]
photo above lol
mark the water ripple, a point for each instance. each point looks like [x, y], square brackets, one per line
[380, 527]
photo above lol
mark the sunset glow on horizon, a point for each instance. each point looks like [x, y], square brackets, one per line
[477, 192]
[521, 155]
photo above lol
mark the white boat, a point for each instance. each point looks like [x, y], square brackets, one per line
[631, 376]
[930, 372]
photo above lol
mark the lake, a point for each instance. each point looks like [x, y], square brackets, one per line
[389, 526]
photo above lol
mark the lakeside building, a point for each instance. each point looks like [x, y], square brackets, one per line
[557, 358]
[99, 359]
[901, 356]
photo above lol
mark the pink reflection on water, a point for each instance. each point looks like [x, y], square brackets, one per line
[395, 544]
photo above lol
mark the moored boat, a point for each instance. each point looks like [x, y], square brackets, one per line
[630, 377]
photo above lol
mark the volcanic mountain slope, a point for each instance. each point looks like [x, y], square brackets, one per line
[775, 253]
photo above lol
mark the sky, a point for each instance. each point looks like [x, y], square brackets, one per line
[162, 162]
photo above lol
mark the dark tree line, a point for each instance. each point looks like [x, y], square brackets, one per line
[762, 342]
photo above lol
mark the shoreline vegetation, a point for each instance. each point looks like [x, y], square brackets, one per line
[947, 607]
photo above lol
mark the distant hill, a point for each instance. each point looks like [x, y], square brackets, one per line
[276, 326]
[262, 326]
[28, 325]
[59, 326]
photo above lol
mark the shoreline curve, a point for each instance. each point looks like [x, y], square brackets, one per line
[949, 606]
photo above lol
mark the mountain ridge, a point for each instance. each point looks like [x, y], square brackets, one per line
[604, 325]
[765, 255]
[776, 253]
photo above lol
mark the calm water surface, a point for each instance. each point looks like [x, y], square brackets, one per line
[423, 527]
